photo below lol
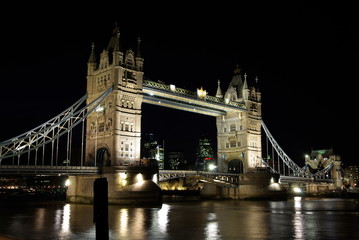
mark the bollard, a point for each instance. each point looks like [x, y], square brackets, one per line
[100, 208]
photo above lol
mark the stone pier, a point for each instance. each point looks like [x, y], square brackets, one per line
[126, 186]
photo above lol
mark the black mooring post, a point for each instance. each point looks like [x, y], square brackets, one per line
[100, 208]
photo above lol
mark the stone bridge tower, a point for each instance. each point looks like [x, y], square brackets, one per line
[113, 131]
[239, 134]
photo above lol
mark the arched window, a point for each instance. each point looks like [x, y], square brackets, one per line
[235, 166]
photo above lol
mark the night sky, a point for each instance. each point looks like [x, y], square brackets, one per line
[305, 58]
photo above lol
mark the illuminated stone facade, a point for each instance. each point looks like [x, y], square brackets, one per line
[113, 132]
[239, 134]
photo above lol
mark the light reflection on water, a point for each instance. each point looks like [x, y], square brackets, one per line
[298, 218]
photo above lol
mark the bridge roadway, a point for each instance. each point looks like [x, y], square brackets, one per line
[224, 178]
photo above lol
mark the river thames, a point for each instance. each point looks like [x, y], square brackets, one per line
[296, 218]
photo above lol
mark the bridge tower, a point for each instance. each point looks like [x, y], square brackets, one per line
[239, 134]
[113, 131]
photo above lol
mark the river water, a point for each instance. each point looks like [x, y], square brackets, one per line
[297, 218]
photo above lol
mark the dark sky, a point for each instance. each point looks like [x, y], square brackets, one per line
[305, 58]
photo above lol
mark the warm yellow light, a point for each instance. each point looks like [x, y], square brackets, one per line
[201, 93]
[139, 178]
[154, 178]
[67, 182]
[123, 175]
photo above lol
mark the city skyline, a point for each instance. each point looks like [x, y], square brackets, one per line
[304, 60]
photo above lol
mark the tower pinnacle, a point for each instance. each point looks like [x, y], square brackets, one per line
[219, 93]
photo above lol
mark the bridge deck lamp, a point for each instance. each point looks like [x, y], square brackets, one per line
[201, 93]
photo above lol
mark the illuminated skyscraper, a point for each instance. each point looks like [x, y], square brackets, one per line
[152, 149]
[205, 160]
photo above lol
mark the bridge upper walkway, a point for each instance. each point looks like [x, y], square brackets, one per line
[179, 98]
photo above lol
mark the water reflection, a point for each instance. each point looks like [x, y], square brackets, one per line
[40, 219]
[123, 221]
[162, 218]
[293, 219]
[212, 230]
[298, 223]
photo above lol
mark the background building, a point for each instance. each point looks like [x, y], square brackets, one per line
[205, 160]
[176, 161]
[351, 176]
[152, 149]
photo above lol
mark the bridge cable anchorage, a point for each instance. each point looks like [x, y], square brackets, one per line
[51, 130]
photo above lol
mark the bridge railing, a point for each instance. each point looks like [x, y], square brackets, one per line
[219, 177]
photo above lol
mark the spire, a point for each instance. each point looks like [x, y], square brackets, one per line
[219, 90]
[117, 46]
[257, 87]
[139, 59]
[138, 52]
[114, 43]
[245, 85]
[92, 58]
[245, 89]
[237, 71]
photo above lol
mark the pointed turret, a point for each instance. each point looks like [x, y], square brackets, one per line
[245, 90]
[114, 46]
[219, 93]
[234, 91]
[92, 58]
[139, 59]
[258, 93]
[114, 43]
[91, 63]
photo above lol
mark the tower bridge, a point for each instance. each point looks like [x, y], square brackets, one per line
[109, 121]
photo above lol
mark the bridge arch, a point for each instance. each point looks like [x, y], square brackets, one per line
[103, 157]
[235, 166]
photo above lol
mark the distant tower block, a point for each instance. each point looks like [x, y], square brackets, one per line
[113, 131]
[239, 134]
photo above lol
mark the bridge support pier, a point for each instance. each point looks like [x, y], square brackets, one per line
[261, 185]
[126, 186]
[214, 191]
